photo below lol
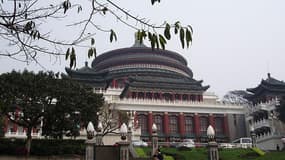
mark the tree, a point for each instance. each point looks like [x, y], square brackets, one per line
[110, 119]
[76, 105]
[26, 26]
[29, 99]
[24, 93]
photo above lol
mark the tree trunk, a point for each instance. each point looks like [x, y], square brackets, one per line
[29, 141]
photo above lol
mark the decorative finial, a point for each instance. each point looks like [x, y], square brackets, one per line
[268, 75]
[137, 41]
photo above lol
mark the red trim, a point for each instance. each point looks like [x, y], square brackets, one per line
[181, 124]
[150, 123]
[197, 125]
[5, 124]
[166, 123]
[226, 126]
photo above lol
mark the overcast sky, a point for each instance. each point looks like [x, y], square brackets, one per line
[235, 42]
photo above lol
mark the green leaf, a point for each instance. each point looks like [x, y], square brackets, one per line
[39, 35]
[152, 40]
[79, 9]
[72, 58]
[167, 31]
[156, 40]
[90, 52]
[162, 41]
[94, 52]
[67, 54]
[176, 27]
[182, 37]
[191, 29]
[92, 41]
[104, 10]
[113, 36]
[188, 37]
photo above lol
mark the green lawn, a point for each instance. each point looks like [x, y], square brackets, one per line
[225, 154]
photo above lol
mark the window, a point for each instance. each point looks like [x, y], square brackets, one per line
[173, 124]
[143, 123]
[189, 125]
[204, 123]
[159, 123]
[219, 125]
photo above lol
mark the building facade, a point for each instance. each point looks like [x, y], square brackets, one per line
[261, 115]
[160, 87]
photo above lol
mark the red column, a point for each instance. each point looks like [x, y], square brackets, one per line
[226, 126]
[160, 96]
[129, 94]
[197, 125]
[181, 124]
[181, 97]
[5, 124]
[150, 122]
[166, 123]
[15, 126]
[212, 120]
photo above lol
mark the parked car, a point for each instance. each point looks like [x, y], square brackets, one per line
[227, 145]
[189, 143]
[139, 143]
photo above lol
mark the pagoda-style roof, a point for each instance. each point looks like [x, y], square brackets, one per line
[165, 84]
[139, 67]
[270, 86]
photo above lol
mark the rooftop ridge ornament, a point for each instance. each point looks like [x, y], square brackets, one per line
[137, 43]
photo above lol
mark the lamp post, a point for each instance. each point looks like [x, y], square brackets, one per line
[124, 144]
[99, 135]
[154, 139]
[130, 126]
[253, 136]
[213, 153]
[89, 154]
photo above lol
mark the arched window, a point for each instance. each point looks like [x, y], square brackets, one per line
[177, 97]
[204, 123]
[173, 124]
[189, 125]
[156, 95]
[148, 95]
[219, 126]
[143, 123]
[159, 123]
[192, 97]
[184, 97]
[140, 95]
[167, 96]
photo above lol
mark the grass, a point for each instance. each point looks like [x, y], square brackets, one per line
[224, 154]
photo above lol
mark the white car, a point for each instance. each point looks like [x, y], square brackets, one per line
[139, 143]
[189, 143]
[227, 145]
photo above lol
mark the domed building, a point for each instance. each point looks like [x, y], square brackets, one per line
[160, 87]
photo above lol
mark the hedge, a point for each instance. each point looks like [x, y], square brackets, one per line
[42, 147]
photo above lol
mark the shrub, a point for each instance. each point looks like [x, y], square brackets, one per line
[42, 147]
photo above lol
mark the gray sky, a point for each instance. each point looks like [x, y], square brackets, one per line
[235, 42]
